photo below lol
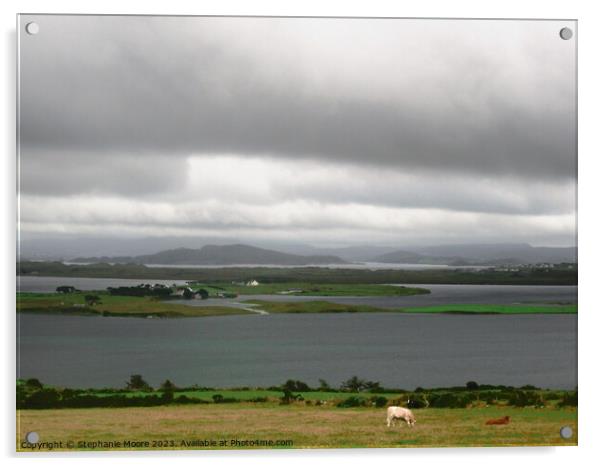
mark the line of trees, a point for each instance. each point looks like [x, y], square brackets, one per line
[32, 394]
[65, 289]
[140, 290]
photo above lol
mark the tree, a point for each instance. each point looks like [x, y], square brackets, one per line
[295, 385]
[379, 401]
[168, 385]
[138, 383]
[34, 384]
[373, 387]
[65, 289]
[287, 397]
[45, 398]
[354, 384]
[472, 385]
[92, 299]
[167, 396]
[324, 387]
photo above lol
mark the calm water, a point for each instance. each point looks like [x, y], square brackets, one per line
[397, 350]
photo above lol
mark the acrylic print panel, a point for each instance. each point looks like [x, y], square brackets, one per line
[247, 232]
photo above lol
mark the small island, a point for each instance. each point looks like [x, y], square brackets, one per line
[235, 298]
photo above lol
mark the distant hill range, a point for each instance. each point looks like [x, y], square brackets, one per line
[232, 254]
[453, 255]
[480, 254]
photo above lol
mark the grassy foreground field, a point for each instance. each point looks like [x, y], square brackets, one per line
[292, 426]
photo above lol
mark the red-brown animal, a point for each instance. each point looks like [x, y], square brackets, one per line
[498, 422]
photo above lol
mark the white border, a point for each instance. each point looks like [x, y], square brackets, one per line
[590, 198]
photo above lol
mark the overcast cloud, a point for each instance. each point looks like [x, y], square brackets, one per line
[341, 131]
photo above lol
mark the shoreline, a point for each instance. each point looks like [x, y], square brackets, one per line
[242, 311]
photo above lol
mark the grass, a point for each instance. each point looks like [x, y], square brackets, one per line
[131, 306]
[312, 307]
[114, 306]
[327, 307]
[306, 426]
[313, 289]
[245, 395]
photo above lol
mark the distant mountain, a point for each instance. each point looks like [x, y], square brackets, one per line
[36, 247]
[399, 257]
[481, 254]
[62, 248]
[231, 254]
[349, 253]
[407, 257]
[519, 253]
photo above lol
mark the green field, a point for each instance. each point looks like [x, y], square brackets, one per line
[294, 426]
[312, 307]
[311, 289]
[245, 394]
[114, 306]
[131, 306]
[327, 307]
[352, 415]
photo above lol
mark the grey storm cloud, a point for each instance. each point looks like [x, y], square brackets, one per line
[56, 172]
[310, 128]
[395, 93]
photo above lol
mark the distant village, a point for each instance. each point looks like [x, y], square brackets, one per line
[542, 266]
[187, 292]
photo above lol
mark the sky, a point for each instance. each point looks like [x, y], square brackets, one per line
[320, 131]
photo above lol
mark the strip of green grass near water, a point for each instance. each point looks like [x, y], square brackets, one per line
[311, 289]
[129, 306]
[327, 307]
[114, 306]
